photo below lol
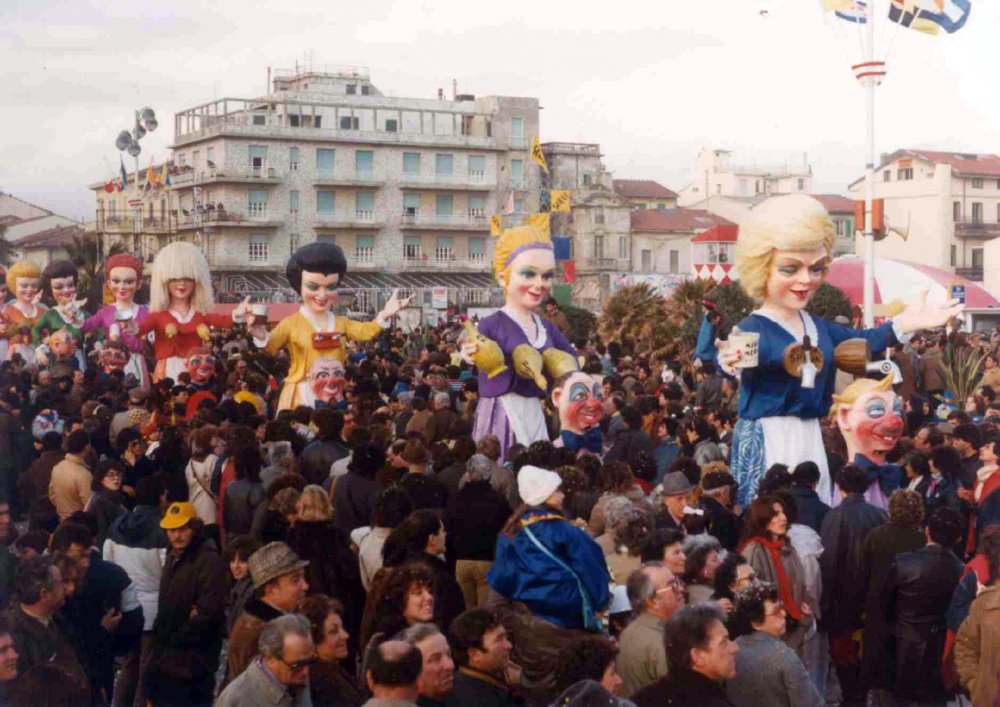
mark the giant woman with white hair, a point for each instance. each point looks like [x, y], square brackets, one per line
[782, 255]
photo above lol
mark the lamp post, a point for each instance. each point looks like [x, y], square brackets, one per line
[128, 141]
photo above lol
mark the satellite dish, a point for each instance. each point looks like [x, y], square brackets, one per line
[123, 140]
[151, 124]
[134, 149]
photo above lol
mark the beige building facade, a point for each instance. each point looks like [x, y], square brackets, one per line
[719, 174]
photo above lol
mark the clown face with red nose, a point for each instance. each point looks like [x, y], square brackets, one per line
[578, 399]
[114, 357]
[200, 364]
[326, 380]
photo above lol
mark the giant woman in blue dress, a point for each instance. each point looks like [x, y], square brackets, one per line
[782, 254]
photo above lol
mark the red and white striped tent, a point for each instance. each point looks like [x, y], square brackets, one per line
[902, 280]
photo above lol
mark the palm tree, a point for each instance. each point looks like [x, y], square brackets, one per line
[638, 315]
[8, 252]
[84, 253]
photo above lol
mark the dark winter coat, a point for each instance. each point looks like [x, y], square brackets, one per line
[316, 459]
[241, 500]
[683, 687]
[474, 518]
[811, 509]
[354, 501]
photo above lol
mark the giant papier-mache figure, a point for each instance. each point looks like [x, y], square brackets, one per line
[59, 284]
[314, 332]
[180, 297]
[514, 345]
[786, 382]
[24, 281]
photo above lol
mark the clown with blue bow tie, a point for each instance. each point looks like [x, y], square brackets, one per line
[577, 396]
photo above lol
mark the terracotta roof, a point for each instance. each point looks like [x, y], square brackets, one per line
[962, 162]
[674, 220]
[50, 237]
[723, 233]
[643, 189]
[9, 220]
[834, 203]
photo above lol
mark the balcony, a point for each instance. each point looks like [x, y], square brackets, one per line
[359, 178]
[976, 229]
[454, 222]
[473, 263]
[220, 216]
[364, 259]
[359, 218]
[975, 274]
[218, 175]
[518, 142]
[603, 264]
[473, 181]
[115, 223]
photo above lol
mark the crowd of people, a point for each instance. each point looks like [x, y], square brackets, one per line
[187, 546]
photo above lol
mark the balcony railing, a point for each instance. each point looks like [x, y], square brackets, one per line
[218, 175]
[224, 216]
[976, 229]
[472, 180]
[356, 218]
[600, 263]
[970, 273]
[518, 141]
[475, 263]
[358, 177]
[462, 221]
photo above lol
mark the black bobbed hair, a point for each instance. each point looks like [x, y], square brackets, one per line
[322, 258]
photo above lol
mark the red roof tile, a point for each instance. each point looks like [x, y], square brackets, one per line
[642, 189]
[834, 203]
[675, 220]
[963, 162]
[50, 237]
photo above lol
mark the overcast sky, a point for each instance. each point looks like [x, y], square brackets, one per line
[651, 82]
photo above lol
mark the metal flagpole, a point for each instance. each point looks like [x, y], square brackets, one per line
[871, 72]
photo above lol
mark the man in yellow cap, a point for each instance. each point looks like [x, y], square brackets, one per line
[192, 603]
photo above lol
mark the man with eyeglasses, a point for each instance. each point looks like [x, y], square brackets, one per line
[655, 595]
[279, 676]
[767, 671]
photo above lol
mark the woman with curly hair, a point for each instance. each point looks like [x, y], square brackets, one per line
[400, 597]
[329, 684]
[628, 526]
[700, 565]
[614, 479]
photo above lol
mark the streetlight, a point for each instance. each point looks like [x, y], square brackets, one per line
[128, 141]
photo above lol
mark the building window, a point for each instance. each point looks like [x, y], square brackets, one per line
[326, 238]
[391, 125]
[998, 213]
[518, 206]
[443, 249]
[675, 262]
[258, 156]
[956, 211]
[977, 212]
[588, 179]
[443, 164]
[744, 186]
[517, 130]
[838, 226]
[477, 249]
[364, 248]
[639, 206]
[477, 206]
[293, 242]
[977, 183]
[905, 174]
[517, 173]
[364, 162]
[887, 175]
[598, 247]
[293, 201]
[411, 204]
[622, 248]
[324, 163]
[599, 215]
[257, 202]
[411, 247]
[477, 166]
[210, 157]
[411, 163]
[293, 159]
[756, 186]
[366, 89]
[259, 119]
[258, 250]
[325, 202]
[802, 184]
[352, 89]
[444, 205]
[647, 260]
[349, 122]
[977, 258]
[718, 189]
[364, 205]
[954, 255]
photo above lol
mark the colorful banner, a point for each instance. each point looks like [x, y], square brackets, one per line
[540, 221]
[560, 201]
[537, 157]
[496, 225]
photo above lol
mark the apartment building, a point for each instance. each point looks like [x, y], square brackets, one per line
[841, 210]
[645, 194]
[599, 223]
[948, 203]
[404, 185]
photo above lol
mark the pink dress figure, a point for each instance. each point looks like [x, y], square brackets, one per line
[120, 321]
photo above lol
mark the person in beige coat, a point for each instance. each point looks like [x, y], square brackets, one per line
[977, 647]
[69, 489]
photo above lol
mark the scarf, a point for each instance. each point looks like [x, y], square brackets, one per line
[590, 440]
[982, 475]
[774, 548]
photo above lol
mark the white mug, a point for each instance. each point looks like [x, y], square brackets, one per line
[749, 343]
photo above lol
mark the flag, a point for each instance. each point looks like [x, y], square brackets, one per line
[930, 16]
[150, 175]
[569, 271]
[164, 176]
[540, 221]
[834, 5]
[496, 225]
[508, 207]
[124, 179]
[560, 200]
[857, 12]
[536, 155]
[561, 247]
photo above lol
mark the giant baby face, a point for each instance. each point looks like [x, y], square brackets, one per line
[326, 378]
[579, 402]
[872, 425]
[200, 363]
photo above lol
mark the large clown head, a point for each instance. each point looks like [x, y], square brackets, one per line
[114, 356]
[578, 398]
[326, 378]
[62, 345]
[200, 364]
[869, 415]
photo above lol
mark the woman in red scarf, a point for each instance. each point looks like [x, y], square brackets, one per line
[765, 546]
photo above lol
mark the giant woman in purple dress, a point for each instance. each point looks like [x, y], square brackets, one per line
[120, 320]
[511, 393]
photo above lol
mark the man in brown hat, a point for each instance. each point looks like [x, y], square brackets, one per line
[280, 572]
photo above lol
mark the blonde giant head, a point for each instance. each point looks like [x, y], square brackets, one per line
[179, 261]
[792, 223]
[855, 390]
[511, 244]
[22, 268]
